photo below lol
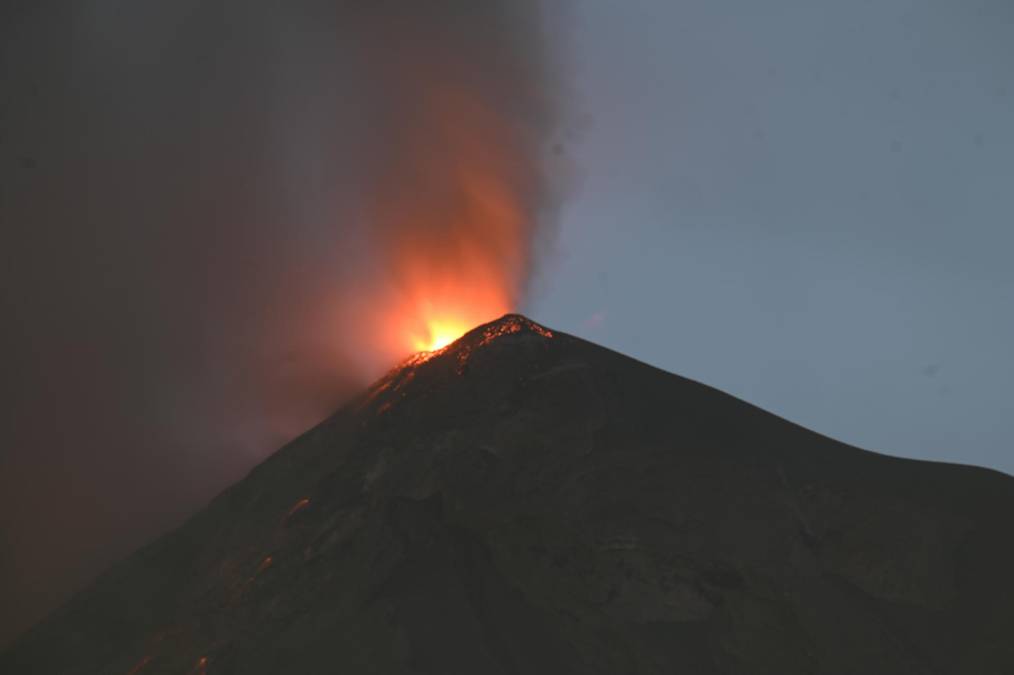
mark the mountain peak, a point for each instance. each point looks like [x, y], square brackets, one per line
[485, 334]
[526, 501]
[507, 347]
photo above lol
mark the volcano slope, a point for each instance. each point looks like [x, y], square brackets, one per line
[527, 502]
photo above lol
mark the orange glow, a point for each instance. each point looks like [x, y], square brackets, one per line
[298, 506]
[140, 666]
[466, 275]
[437, 333]
[455, 205]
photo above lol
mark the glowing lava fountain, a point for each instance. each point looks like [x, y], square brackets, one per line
[457, 191]
[457, 236]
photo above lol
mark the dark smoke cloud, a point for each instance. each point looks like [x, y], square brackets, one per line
[184, 194]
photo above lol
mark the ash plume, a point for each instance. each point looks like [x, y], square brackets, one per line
[219, 219]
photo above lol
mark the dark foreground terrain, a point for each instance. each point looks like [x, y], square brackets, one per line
[525, 502]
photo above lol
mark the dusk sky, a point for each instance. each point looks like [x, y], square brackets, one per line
[808, 205]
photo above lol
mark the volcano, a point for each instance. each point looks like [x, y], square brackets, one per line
[523, 501]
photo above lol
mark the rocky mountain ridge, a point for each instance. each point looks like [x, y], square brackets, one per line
[523, 501]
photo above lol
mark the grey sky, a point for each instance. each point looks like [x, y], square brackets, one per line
[808, 205]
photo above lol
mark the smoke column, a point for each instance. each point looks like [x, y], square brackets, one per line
[219, 218]
[459, 184]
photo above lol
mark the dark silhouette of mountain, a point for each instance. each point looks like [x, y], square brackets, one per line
[527, 502]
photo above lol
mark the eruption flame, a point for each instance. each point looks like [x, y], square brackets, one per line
[439, 334]
[459, 183]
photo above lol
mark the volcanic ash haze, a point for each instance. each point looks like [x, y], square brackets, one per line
[219, 213]
[527, 502]
[460, 181]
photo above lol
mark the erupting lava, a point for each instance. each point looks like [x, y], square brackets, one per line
[456, 231]
[435, 317]
[422, 317]
[459, 260]
[457, 189]
[439, 334]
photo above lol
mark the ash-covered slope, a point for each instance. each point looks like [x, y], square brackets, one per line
[527, 502]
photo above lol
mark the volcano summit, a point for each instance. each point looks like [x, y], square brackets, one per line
[522, 501]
